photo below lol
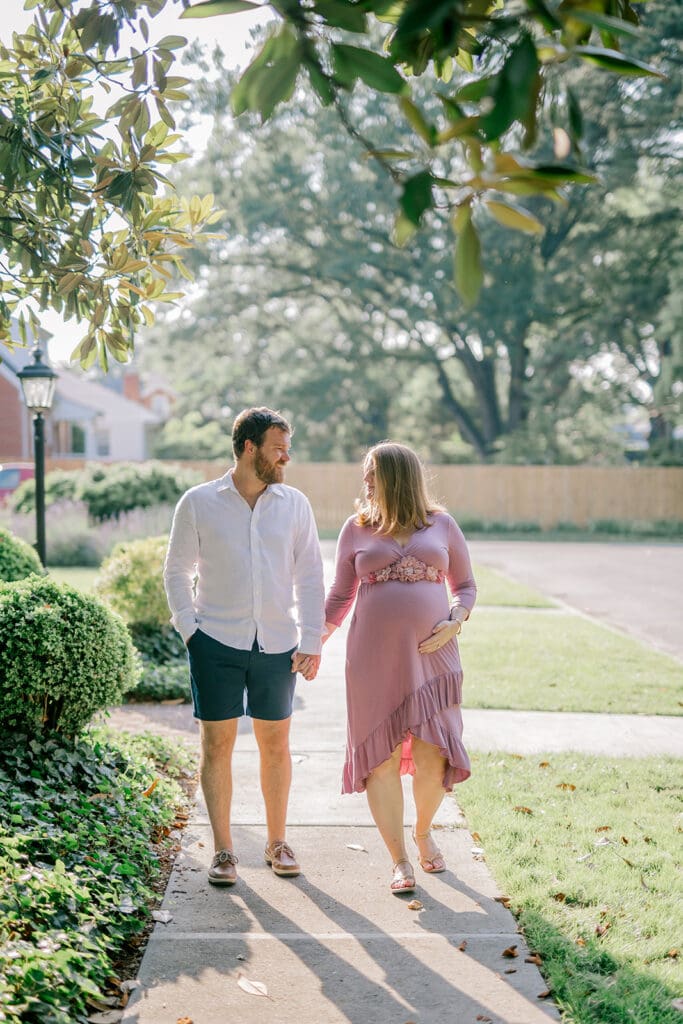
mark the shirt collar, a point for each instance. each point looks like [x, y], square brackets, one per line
[226, 483]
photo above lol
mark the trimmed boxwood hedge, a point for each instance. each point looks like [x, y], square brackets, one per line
[63, 656]
[17, 558]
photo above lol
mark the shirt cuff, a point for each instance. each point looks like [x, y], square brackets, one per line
[186, 624]
[311, 641]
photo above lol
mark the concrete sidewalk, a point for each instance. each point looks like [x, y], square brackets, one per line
[334, 945]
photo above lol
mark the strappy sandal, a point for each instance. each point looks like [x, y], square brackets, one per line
[403, 880]
[433, 865]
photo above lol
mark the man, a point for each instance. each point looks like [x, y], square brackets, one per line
[243, 552]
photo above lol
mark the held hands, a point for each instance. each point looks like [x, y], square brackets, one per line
[307, 664]
[443, 632]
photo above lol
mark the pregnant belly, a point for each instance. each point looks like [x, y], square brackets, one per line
[393, 605]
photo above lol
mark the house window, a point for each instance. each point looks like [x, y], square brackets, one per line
[77, 439]
[102, 442]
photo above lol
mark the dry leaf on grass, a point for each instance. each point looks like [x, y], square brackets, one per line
[600, 929]
[560, 897]
[505, 900]
[510, 952]
[476, 838]
[604, 828]
[566, 785]
[522, 810]
[544, 764]
[414, 905]
[533, 959]
[254, 988]
[674, 954]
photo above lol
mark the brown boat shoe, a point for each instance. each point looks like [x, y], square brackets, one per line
[223, 870]
[281, 858]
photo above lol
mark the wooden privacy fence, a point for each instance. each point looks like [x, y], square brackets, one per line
[546, 495]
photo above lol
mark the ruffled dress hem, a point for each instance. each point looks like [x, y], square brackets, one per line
[418, 715]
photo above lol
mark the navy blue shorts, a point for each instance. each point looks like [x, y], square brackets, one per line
[220, 676]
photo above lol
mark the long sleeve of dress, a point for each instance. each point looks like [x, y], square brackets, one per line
[460, 578]
[343, 591]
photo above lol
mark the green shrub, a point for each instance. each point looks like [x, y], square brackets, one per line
[60, 485]
[63, 656]
[110, 490]
[17, 558]
[79, 828]
[131, 581]
[159, 644]
[170, 681]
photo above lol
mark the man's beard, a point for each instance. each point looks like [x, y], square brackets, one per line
[266, 471]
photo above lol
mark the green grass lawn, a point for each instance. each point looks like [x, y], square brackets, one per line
[493, 588]
[78, 576]
[554, 661]
[587, 849]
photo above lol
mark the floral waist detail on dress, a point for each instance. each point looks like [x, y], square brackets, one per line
[406, 570]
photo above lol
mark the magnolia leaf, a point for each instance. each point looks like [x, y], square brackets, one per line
[211, 7]
[352, 62]
[341, 15]
[162, 916]
[514, 217]
[605, 21]
[613, 60]
[469, 274]
[417, 196]
[254, 988]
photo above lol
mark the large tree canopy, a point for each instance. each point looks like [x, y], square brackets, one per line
[86, 224]
[308, 298]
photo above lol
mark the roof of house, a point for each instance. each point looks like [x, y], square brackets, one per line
[76, 397]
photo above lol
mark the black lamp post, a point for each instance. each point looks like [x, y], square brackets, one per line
[38, 384]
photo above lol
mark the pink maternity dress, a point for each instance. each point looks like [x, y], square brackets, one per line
[392, 691]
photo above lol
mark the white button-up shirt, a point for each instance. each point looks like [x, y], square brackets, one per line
[242, 574]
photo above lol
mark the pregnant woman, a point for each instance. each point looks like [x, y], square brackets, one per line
[403, 672]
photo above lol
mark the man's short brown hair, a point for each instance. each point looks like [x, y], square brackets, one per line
[252, 424]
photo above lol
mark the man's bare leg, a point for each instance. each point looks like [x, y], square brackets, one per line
[215, 772]
[276, 777]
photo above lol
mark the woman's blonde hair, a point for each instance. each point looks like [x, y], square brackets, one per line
[401, 500]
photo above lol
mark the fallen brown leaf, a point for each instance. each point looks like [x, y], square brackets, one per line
[150, 789]
[674, 954]
[560, 897]
[580, 941]
[604, 828]
[505, 900]
[544, 764]
[480, 1016]
[600, 929]
[510, 970]
[184, 1020]
[543, 995]
[566, 785]
[625, 841]
[522, 810]
[414, 905]
[533, 959]
[463, 946]
[476, 837]
[510, 952]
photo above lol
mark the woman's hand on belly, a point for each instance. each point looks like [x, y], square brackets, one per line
[443, 632]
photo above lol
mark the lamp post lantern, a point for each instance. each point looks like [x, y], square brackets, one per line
[38, 384]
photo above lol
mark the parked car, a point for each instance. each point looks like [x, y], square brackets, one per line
[11, 475]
